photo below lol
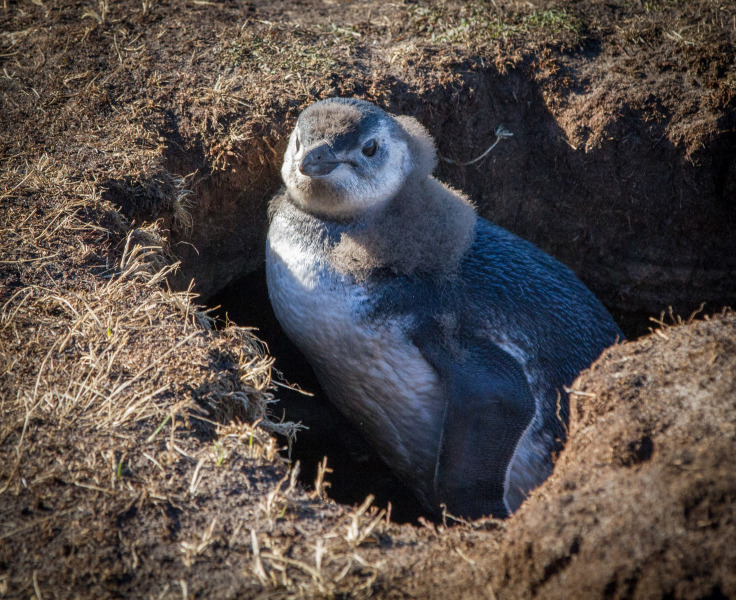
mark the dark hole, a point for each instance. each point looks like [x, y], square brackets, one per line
[637, 452]
[357, 470]
[716, 593]
[643, 449]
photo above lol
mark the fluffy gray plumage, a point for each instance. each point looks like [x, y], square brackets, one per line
[447, 340]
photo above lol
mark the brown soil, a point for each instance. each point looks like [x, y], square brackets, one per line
[138, 454]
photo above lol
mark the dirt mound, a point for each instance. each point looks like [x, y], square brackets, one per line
[643, 500]
[139, 144]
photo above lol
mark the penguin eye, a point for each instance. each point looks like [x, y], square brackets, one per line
[370, 149]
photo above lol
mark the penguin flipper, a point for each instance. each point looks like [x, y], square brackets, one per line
[488, 406]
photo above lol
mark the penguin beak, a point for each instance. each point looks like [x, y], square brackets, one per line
[319, 161]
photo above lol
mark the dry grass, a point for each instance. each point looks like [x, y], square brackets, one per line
[123, 391]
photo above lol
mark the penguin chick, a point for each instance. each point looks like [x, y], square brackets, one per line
[447, 340]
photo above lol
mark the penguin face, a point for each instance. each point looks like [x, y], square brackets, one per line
[345, 157]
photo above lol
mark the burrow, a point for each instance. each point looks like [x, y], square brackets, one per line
[645, 224]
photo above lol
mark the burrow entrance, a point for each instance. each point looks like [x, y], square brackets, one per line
[642, 224]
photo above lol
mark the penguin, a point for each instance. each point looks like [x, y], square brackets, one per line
[447, 340]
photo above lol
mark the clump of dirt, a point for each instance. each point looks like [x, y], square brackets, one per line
[140, 143]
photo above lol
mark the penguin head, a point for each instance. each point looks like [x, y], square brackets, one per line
[347, 157]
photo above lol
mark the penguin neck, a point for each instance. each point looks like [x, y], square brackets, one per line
[424, 230]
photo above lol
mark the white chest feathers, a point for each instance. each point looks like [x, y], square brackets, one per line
[369, 369]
